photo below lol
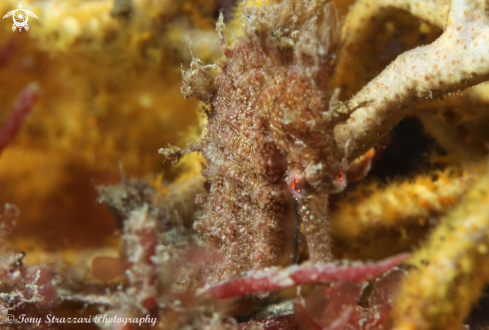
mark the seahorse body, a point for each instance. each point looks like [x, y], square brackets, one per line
[268, 116]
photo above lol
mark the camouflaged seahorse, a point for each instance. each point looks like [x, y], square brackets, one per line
[268, 144]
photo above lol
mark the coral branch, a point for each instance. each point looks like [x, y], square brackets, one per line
[432, 11]
[455, 61]
[22, 107]
[361, 30]
[276, 279]
[456, 260]
[373, 216]
[451, 139]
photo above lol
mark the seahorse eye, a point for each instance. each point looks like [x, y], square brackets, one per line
[297, 183]
[295, 186]
[340, 181]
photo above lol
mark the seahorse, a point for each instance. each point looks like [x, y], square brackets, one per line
[268, 141]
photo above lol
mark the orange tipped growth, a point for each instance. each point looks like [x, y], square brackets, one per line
[359, 167]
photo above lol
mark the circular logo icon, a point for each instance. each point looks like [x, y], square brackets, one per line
[10, 318]
[20, 17]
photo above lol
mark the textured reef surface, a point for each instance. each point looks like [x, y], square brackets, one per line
[275, 164]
